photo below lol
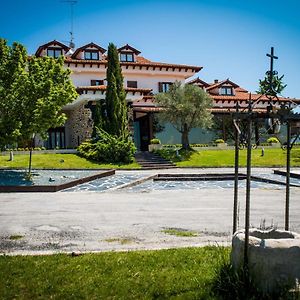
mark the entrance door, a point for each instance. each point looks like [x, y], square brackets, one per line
[144, 133]
[56, 138]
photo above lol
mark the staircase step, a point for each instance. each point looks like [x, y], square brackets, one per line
[149, 160]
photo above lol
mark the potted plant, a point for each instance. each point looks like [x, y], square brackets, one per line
[220, 143]
[154, 145]
[273, 141]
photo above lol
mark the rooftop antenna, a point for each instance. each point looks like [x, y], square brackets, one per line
[72, 3]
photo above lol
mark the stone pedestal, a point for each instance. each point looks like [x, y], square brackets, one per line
[274, 258]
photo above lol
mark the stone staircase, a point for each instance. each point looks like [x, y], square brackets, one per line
[149, 160]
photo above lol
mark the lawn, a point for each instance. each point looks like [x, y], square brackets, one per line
[186, 273]
[59, 161]
[204, 158]
[225, 158]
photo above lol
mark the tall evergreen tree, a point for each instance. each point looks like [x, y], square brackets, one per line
[116, 121]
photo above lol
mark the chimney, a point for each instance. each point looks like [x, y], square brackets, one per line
[216, 80]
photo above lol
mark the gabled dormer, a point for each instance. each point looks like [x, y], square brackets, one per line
[90, 51]
[222, 88]
[53, 49]
[128, 53]
[200, 83]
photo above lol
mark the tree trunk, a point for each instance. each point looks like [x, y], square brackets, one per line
[11, 156]
[185, 138]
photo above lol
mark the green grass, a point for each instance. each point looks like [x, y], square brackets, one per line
[225, 158]
[59, 161]
[180, 232]
[186, 273]
[122, 241]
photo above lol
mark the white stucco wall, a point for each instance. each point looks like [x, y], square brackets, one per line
[145, 79]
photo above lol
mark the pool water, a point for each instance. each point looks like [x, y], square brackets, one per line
[123, 177]
[106, 183]
[41, 177]
[197, 185]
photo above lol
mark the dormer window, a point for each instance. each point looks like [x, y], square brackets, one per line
[91, 55]
[226, 91]
[126, 57]
[54, 52]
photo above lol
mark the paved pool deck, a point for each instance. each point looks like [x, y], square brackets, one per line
[119, 220]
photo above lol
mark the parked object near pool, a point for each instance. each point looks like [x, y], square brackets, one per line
[274, 258]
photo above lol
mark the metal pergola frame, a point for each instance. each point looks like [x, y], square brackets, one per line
[285, 116]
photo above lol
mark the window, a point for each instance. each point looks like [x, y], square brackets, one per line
[132, 84]
[164, 86]
[91, 55]
[126, 57]
[97, 82]
[54, 52]
[226, 91]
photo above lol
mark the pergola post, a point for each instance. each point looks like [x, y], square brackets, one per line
[288, 174]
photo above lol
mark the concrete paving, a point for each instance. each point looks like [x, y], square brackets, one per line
[41, 223]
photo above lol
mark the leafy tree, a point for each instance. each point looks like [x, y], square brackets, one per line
[185, 107]
[271, 85]
[32, 92]
[115, 107]
[12, 75]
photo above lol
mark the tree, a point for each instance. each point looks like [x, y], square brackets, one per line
[110, 143]
[115, 107]
[185, 106]
[12, 75]
[32, 93]
[271, 85]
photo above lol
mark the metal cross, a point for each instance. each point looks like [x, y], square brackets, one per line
[271, 72]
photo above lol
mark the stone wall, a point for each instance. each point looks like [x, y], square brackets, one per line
[79, 125]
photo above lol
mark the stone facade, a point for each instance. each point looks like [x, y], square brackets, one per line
[79, 126]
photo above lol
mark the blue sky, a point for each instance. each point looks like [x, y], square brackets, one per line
[229, 38]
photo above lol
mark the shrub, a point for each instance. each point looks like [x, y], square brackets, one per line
[155, 141]
[272, 140]
[43, 148]
[37, 149]
[219, 141]
[199, 145]
[108, 149]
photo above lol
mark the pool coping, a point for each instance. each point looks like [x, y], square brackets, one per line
[54, 188]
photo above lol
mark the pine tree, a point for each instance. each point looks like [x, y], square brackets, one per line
[116, 122]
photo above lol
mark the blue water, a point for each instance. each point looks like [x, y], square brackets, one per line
[106, 183]
[41, 177]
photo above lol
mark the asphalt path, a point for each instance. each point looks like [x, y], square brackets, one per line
[121, 220]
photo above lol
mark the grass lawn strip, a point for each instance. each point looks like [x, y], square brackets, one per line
[185, 273]
[59, 161]
[225, 158]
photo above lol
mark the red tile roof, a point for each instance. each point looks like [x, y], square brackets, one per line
[141, 61]
[198, 81]
[54, 42]
[102, 50]
[127, 47]
[220, 83]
